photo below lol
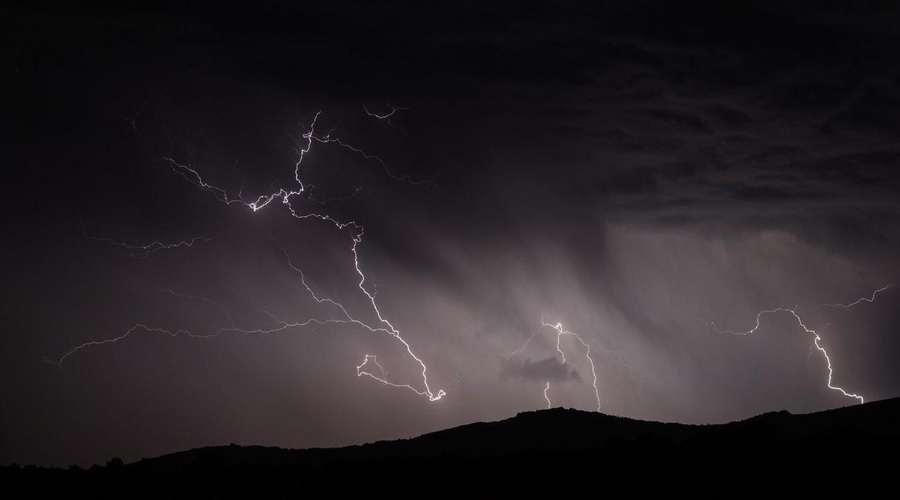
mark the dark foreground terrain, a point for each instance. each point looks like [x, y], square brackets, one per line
[848, 452]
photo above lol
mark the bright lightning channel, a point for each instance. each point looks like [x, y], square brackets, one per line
[560, 332]
[192, 175]
[816, 337]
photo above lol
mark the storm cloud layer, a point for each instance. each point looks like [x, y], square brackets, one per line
[647, 175]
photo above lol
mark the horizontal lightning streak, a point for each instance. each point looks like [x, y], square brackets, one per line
[862, 299]
[144, 251]
[386, 116]
[282, 326]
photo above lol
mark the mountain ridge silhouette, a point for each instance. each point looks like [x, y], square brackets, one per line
[829, 453]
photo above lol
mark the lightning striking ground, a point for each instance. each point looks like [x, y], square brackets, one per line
[192, 175]
[816, 337]
[560, 331]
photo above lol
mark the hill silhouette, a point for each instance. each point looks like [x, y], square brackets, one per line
[843, 452]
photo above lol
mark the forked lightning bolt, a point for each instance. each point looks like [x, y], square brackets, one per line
[560, 332]
[192, 175]
[371, 358]
[816, 337]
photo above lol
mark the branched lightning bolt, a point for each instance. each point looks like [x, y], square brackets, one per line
[816, 337]
[560, 331]
[192, 175]
[357, 238]
[383, 378]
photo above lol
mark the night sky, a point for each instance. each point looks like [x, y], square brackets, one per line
[650, 175]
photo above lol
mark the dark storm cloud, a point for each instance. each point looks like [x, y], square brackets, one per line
[696, 155]
[548, 369]
[735, 104]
